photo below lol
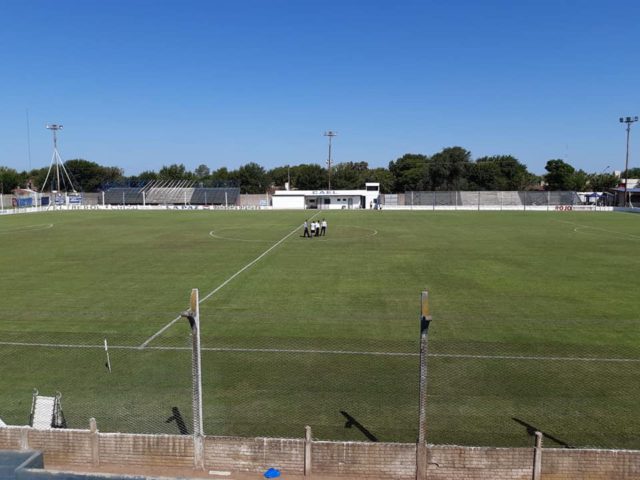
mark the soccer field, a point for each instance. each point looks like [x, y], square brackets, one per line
[536, 322]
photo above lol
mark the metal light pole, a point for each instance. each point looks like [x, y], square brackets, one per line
[628, 121]
[54, 129]
[329, 134]
[421, 451]
[193, 315]
[59, 165]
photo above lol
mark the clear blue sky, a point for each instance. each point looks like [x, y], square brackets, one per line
[144, 83]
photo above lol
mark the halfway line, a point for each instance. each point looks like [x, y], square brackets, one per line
[213, 292]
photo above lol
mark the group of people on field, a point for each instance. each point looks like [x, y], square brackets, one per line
[315, 228]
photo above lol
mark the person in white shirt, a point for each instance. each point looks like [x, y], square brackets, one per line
[323, 228]
[313, 229]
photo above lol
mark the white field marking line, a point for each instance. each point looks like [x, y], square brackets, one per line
[577, 225]
[213, 234]
[219, 287]
[333, 352]
[375, 232]
[28, 228]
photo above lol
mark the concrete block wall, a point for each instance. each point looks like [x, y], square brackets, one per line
[366, 460]
[254, 454]
[10, 439]
[562, 464]
[252, 200]
[479, 463]
[376, 460]
[67, 446]
[145, 450]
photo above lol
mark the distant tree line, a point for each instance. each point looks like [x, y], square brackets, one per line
[450, 169]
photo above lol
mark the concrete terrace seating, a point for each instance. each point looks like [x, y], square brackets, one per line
[171, 195]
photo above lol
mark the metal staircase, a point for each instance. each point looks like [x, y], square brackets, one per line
[46, 412]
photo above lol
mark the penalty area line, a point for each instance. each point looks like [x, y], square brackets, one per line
[219, 287]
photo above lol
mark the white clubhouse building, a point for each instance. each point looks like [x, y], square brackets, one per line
[327, 199]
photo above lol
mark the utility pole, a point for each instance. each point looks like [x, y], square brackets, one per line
[628, 121]
[329, 134]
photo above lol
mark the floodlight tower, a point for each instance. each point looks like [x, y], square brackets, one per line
[628, 121]
[329, 134]
[59, 166]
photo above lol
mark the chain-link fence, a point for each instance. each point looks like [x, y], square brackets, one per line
[479, 392]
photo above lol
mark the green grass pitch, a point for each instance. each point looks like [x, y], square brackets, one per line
[536, 323]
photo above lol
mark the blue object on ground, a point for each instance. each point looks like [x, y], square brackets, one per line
[272, 473]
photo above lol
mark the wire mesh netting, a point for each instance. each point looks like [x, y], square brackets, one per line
[478, 394]
[535, 324]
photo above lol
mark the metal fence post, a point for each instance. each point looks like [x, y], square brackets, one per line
[307, 450]
[537, 457]
[193, 315]
[421, 450]
[548, 199]
[94, 440]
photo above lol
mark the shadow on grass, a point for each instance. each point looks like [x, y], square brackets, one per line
[352, 422]
[532, 429]
[177, 417]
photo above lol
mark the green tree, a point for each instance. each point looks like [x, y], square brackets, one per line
[383, 176]
[579, 181]
[309, 177]
[499, 172]
[409, 172]
[485, 175]
[448, 169]
[89, 176]
[175, 172]
[280, 175]
[220, 177]
[9, 179]
[202, 172]
[349, 175]
[559, 175]
[600, 182]
[251, 178]
[632, 173]
[147, 176]
[36, 176]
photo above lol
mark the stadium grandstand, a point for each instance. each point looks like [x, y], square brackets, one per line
[171, 192]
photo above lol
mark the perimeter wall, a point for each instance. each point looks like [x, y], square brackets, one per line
[84, 448]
